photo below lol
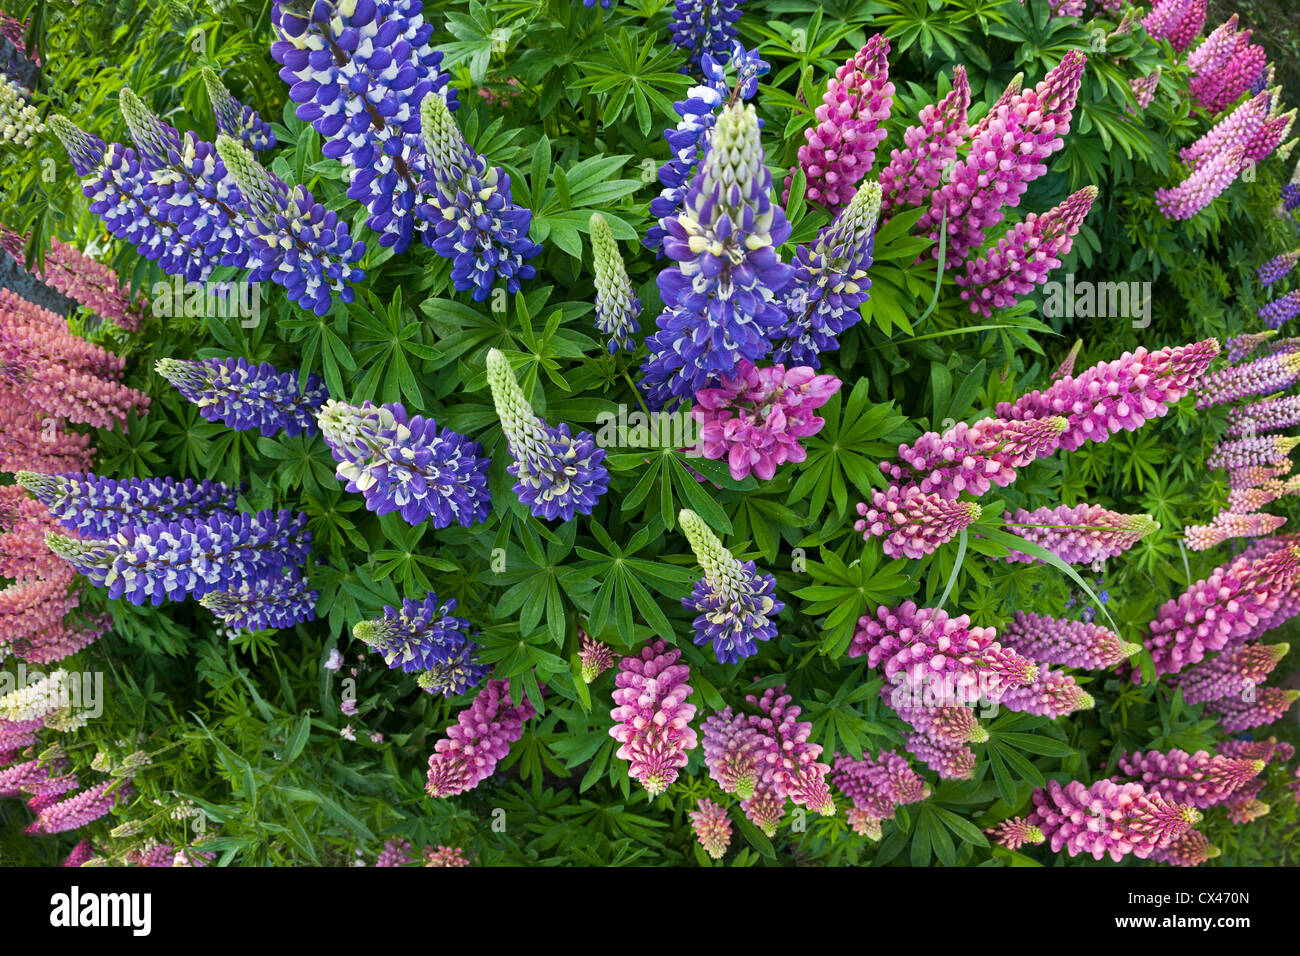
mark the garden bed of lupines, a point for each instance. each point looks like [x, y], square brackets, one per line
[654, 440]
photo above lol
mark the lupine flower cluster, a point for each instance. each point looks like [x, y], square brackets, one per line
[244, 396]
[1082, 534]
[1234, 671]
[1066, 643]
[617, 306]
[712, 827]
[1247, 500]
[596, 657]
[480, 738]
[20, 124]
[1278, 268]
[1201, 780]
[1265, 706]
[1051, 693]
[1225, 66]
[556, 472]
[234, 119]
[1229, 524]
[1253, 450]
[406, 464]
[1240, 346]
[703, 28]
[877, 787]
[1269, 415]
[424, 637]
[755, 417]
[1190, 849]
[82, 808]
[841, 149]
[929, 147]
[1262, 376]
[84, 280]
[1144, 88]
[788, 763]
[1205, 184]
[913, 523]
[652, 718]
[721, 294]
[1178, 21]
[735, 603]
[98, 507]
[1281, 310]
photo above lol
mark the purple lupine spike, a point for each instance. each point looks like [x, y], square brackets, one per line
[274, 602]
[471, 217]
[1275, 270]
[732, 752]
[955, 762]
[787, 760]
[946, 724]
[359, 71]
[1065, 643]
[703, 28]
[97, 507]
[1214, 51]
[1272, 414]
[929, 148]
[712, 828]
[765, 807]
[1234, 671]
[1238, 128]
[1222, 609]
[1205, 184]
[396, 853]
[480, 738]
[877, 788]
[1023, 258]
[188, 557]
[1240, 346]
[234, 118]
[244, 396]
[1115, 396]
[1281, 310]
[1107, 818]
[974, 458]
[652, 718]
[84, 807]
[841, 149]
[1269, 750]
[1229, 524]
[720, 295]
[556, 472]
[1081, 534]
[16, 735]
[1201, 780]
[1263, 376]
[830, 282]
[911, 522]
[596, 657]
[1190, 849]
[17, 778]
[755, 417]
[1265, 706]
[931, 648]
[1052, 693]
[80, 853]
[406, 464]
[416, 636]
[1015, 833]
[1008, 152]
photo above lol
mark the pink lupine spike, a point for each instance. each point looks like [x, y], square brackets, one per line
[1247, 810]
[1217, 89]
[82, 852]
[1052, 694]
[1238, 128]
[732, 751]
[1232, 672]
[1270, 450]
[1024, 256]
[1144, 88]
[82, 808]
[788, 760]
[397, 852]
[1015, 833]
[841, 149]
[1067, 364]
[912, 523]
[1229, 524]
[864, 824]
[1081, 534]
[712, 828]
[948, 725]
[444, 856]
[1254, 476]
[950, 763]
[973, 458]
[1190, 849]
[652, 716]
[1201, 780]
[1265, 706]
[764, 807]
[1115, 396]
[877, 787]
[1213, 52]
[479, 739]
[1185, 28]
[1012, 90]
[18, 734]
[1244, 501]
[929, 148]
[595, 658]
[1260, 417]
[1269, 750]
[1204, 185]
[82, 279]
[15, 779]
[1065, 643]
[1107, 818]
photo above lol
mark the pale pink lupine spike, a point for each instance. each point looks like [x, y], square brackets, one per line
[1079, 534]
[712, 828]
[1229, 524]
[1065, 643]
[1201, 780]
[1190, 849]
[788, 759]
[652, 715]
[1107, 818]
[1015, 833]
[479, 739]
[912, 523]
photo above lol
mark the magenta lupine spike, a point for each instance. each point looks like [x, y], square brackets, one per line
[1178, 21]
[1281, 310]
[1013, 89]
[1008, 151]
[479, 739]
[1265, 705]
[929, 147]
[1230, 524]
[1052, 693]
[1107, 818]
[1205, 184]
[84, 807]
[1217, 86]
[1067, 364]
[1238, 128]
[1272, 414]
[1080, 534]
[82, 852]
[596, 658]
[1213, 52]
[1201, 780]
[1246, 810]
[1246, 500]
[652, 716]
[396, 853]
[1269, 750]
[732, 752]
[1115, 396]
[974, 458]
[765, 807]
[945, 655]
[712, 828]
[18, 734]
[1144, 88]
[1222, 609]
[1263, 376]
[1270, 135]
[1015, 833]
[1190, 849]
[877, 787]
[911, 522]
[18, 778]
[1024, 256]
[787, 760]
[841, 149]
[1065, 643]
[950, 763]
[1275, 270]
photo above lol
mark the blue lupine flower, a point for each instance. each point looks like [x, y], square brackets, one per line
[830, 282]
[690, 139]
[297, 243]
[617, 306]
[121, 194]
[97, 507]
[1291, 196]
[455, 675]
[172, 559]
[234, 118]
[557, 473]
[703, 27]
[406, 464]
[472, 220]
[419, 636]
[243, 396]
[735, 602]
[359, 70]
[277, 601]
[720, 299]
[1261, 82]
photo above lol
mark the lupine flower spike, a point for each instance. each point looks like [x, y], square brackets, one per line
[479, 739]
[595, 658]
[234, 118]
[617, 306]
[712, 828]
[652, 716]
[244, 396]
